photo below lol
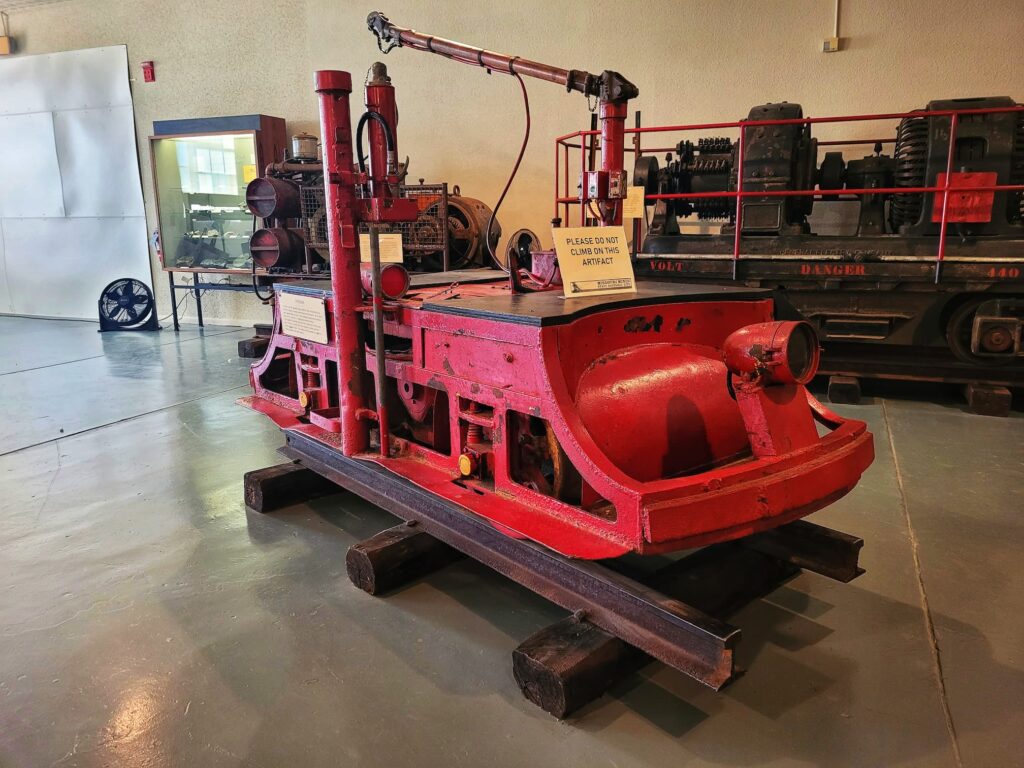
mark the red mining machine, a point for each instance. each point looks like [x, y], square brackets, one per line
[538, 434]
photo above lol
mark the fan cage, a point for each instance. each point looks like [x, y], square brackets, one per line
[126, 302]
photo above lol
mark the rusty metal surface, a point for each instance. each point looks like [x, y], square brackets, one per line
[494, 359]
[812, 547]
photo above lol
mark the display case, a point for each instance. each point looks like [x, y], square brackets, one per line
[200, 169]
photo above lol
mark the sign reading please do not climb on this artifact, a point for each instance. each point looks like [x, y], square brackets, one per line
[594, 261]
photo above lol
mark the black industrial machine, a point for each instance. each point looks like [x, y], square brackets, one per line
[933, 257]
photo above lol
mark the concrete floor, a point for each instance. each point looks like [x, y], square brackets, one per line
[148, 619]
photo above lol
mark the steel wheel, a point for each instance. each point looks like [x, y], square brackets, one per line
[960, 328]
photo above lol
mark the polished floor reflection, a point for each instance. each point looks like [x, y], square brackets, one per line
[148, 619]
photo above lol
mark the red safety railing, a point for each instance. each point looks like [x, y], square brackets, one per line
[588, 147]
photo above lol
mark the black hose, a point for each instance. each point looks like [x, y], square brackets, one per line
[511, 178]
[389, 138]
[256, 288]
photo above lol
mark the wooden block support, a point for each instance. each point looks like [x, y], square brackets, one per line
[395, 557]
[272, 488]
[988, 400]
[572, 662]
[844, 390]
[255, 347]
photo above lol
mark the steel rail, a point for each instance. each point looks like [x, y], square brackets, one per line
[669, 630]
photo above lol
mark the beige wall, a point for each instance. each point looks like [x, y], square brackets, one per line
[694, 60]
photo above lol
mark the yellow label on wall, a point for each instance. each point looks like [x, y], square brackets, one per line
[594, 261]
[304, 317]
[633, 206]
[248, 173]
[390, 248]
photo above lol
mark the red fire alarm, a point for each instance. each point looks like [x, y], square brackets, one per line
[148, 73]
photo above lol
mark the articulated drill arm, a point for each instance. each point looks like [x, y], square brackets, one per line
[606, 186]
[608, 86]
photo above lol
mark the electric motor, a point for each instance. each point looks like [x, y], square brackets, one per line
[783, 157]
[990, 145]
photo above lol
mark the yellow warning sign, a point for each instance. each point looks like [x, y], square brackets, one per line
[633, 205]
[594, 261]
[248, 173]
[390, 248]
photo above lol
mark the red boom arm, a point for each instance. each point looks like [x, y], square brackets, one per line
[606, 186]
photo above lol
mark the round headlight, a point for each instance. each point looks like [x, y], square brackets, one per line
[783, 352]
[394, 280]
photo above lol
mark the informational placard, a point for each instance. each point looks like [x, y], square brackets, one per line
[633, 206]
[594, 261]
[390, 248]
[304, 317]
[248, 173]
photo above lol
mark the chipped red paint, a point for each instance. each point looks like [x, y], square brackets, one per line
[652, 442]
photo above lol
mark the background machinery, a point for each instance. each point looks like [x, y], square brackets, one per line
[447, 233]
[905, 269]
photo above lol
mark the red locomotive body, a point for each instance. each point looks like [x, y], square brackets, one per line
[665, 419]
[595, 427]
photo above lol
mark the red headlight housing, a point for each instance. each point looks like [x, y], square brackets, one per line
[782, 352]
[394, 280]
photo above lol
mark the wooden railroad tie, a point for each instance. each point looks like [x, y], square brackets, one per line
[273, 488]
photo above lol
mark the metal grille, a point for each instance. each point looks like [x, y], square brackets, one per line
[314, 215]
[429, 233]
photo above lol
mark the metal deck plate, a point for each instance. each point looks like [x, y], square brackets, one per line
[550, 308]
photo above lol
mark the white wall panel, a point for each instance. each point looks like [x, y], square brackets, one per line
[72, 217]
[5, 294]
[57, 267]
[98, 166]
[30, 183]
[49, 82]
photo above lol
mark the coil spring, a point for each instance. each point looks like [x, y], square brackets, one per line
[717, 145]
[712, 207]
[911, 156]
[709, 165]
